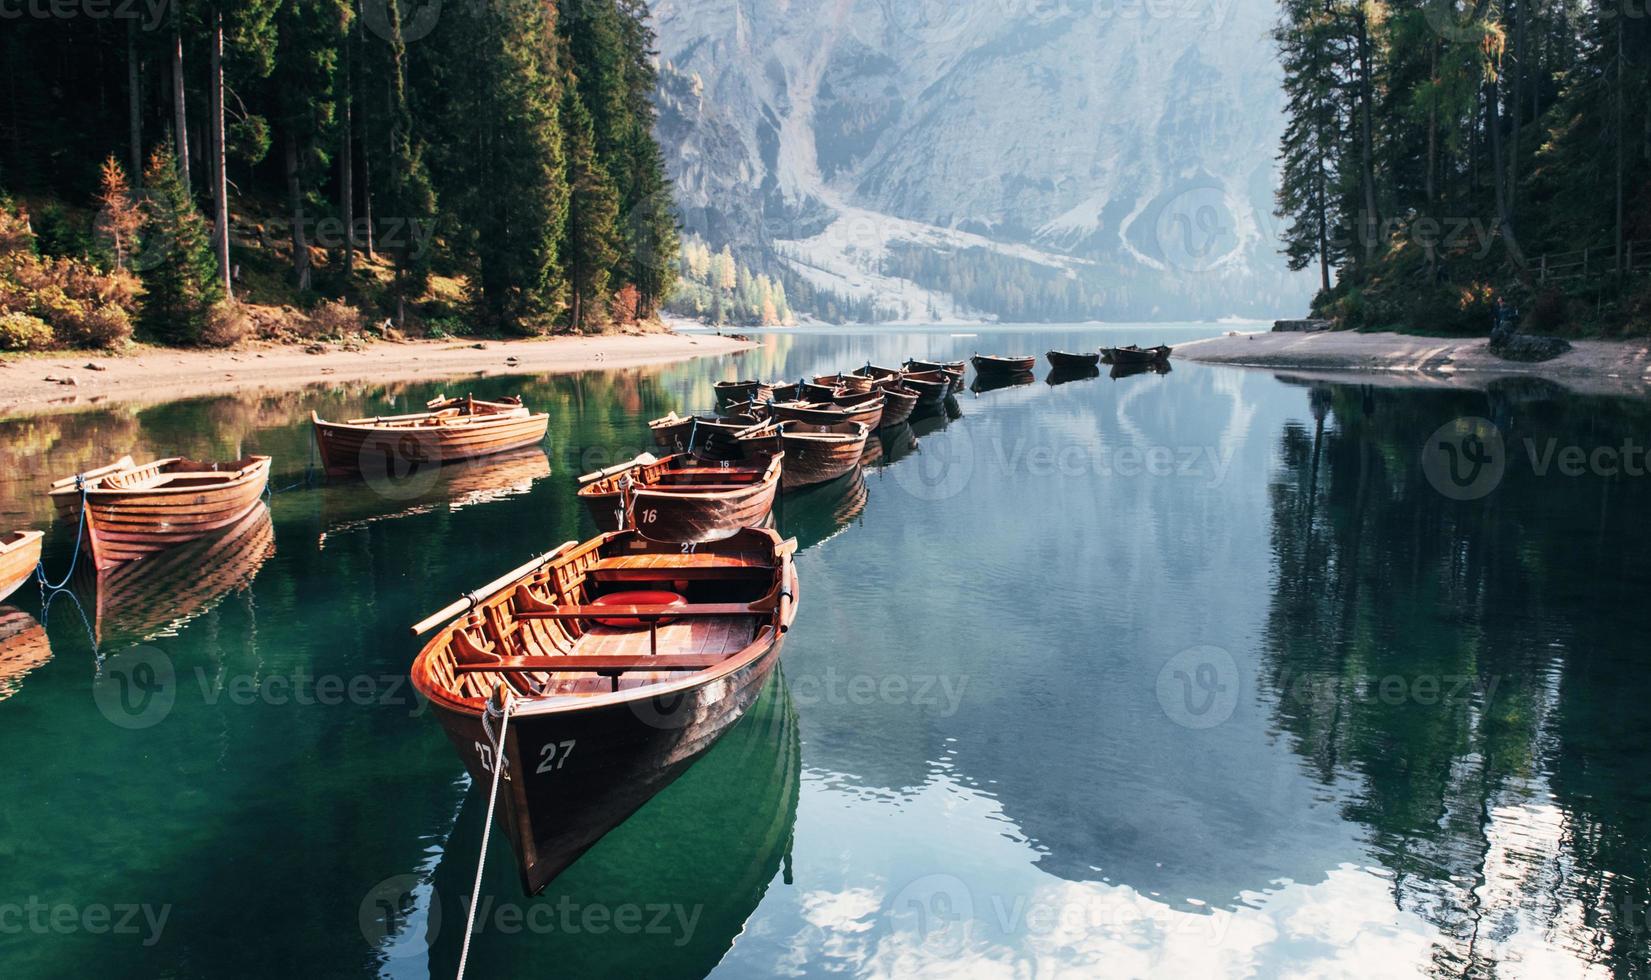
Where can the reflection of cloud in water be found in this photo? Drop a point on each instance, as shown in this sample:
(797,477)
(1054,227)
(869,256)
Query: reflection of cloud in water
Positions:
(1014,921)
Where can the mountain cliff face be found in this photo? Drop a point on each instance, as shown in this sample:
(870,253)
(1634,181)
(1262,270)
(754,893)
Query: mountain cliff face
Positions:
(1022,159)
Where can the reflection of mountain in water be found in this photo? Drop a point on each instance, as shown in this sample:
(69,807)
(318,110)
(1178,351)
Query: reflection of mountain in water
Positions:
(704,852)
(1060,596)
(1503,783)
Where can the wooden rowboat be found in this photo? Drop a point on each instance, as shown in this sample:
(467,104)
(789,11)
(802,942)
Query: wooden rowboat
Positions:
(999,366)
(682,498)
(868,410)
(1063,361)
(1137,355)
(19,554)
(453,429)
(848,382)
(813,453)
(931,387)
(710,436)
(899,402)
(954,367)
(135,511)
(596,675)
(741,391)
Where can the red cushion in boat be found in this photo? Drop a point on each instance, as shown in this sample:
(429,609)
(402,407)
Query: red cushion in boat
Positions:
(637,598)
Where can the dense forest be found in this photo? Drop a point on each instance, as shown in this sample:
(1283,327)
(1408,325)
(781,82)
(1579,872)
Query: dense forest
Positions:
(1441,157)
(486,164)
(718,288)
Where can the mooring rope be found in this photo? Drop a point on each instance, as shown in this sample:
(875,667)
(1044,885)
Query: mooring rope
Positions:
(74,559)
(47,598)
(487,829)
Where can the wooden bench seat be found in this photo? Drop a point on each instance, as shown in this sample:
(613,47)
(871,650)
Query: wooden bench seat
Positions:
(595,664)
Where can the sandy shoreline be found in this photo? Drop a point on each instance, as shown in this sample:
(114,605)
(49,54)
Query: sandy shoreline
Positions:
(158,374)
(1593,366)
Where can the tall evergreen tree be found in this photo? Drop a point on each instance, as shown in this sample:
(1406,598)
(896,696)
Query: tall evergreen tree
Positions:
(181,278)
(502,168)
(1307,151)
(591,241)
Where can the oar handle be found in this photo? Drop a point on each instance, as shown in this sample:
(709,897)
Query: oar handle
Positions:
(488,591)
(646,459)
(124,463)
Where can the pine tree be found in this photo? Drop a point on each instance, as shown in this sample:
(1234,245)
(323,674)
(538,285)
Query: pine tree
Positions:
(406,192)
(591,241)
(502,168)
(1308,146)
(181,283)
(119,216)
(305,83)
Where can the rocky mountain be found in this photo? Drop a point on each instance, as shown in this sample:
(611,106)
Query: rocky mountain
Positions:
(980,159)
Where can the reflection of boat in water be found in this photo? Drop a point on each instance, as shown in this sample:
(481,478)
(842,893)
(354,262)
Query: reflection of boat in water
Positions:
(821,512)
(898,443)
(992,382)
(705,851)
(1061,376)
(1148,367)
(23,647)
(613,686)
(455,486)
(138,601)
(928,423)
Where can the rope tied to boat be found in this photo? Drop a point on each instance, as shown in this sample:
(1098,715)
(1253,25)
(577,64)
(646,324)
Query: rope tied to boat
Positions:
(487,828)
(80,539)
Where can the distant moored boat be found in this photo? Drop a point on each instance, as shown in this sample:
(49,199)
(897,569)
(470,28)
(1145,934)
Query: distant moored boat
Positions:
(452,429)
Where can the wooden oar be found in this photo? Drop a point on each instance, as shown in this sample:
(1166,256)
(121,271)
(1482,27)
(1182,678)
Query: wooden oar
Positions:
(124,463)
(488,591)
(646,459)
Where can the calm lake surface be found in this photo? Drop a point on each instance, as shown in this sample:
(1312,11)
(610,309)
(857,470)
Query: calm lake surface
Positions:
(1210,673)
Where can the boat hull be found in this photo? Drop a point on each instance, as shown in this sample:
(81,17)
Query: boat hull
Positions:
(710,438)
(871,416)
(899,402)
(1063,361)
(681,516)
(1003,366)
(1133,355)
(366,450)
(570,777)
(19,555)
(130,525)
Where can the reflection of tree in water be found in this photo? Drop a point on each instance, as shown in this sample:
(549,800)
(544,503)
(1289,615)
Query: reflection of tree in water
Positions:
(1526,606)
